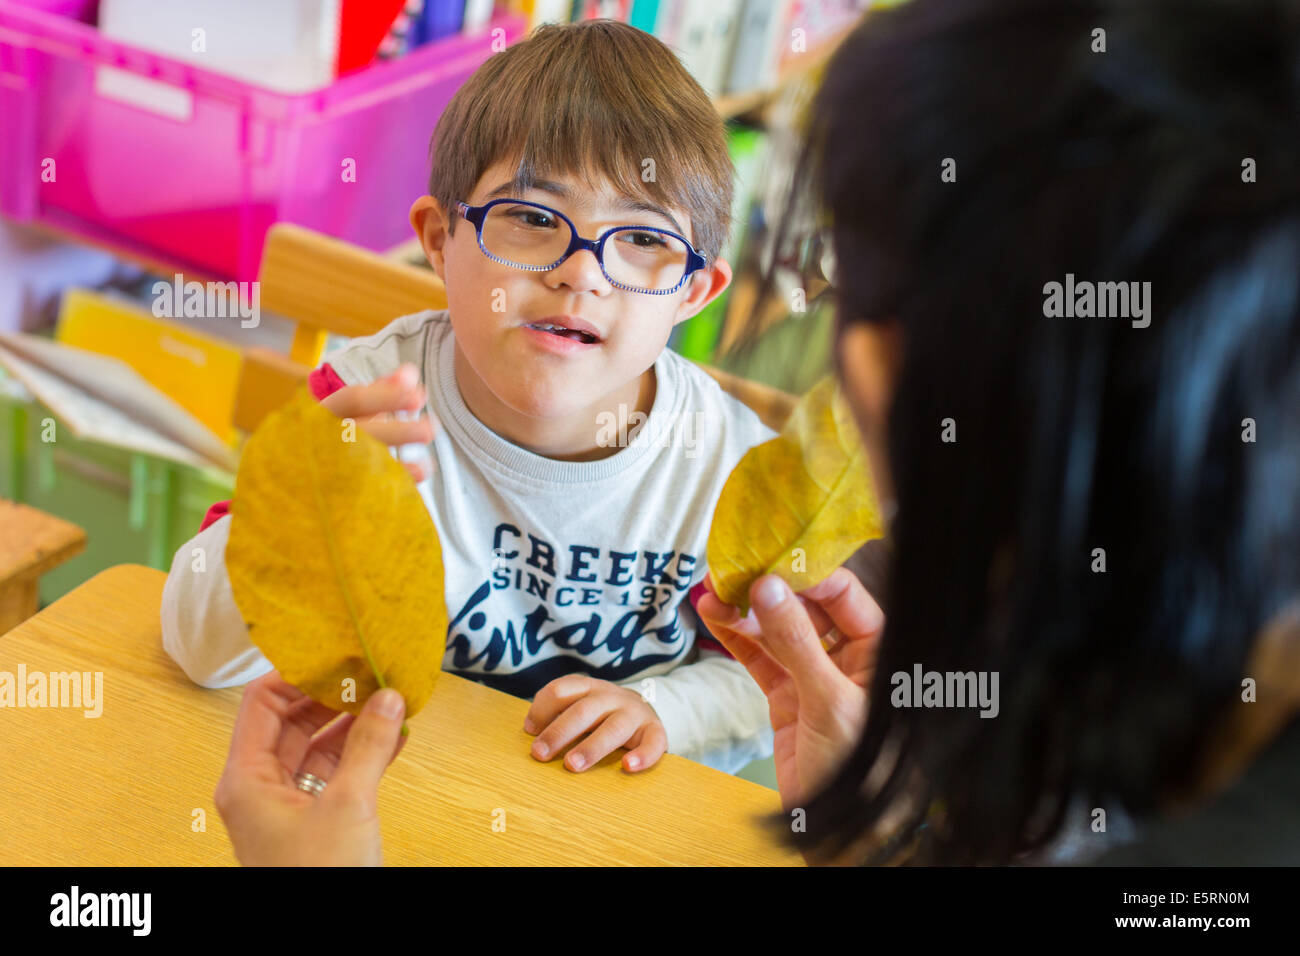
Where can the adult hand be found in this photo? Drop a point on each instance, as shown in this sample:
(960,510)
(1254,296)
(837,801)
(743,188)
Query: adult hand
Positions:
(817,699)
(375,407)
(272,822)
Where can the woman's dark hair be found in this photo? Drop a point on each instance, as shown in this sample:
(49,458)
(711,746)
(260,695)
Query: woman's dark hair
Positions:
(1173,157)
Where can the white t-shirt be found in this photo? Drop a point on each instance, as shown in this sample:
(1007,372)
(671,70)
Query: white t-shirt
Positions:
(551,567)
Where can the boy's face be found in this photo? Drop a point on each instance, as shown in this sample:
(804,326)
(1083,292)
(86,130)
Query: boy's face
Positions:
(534,373)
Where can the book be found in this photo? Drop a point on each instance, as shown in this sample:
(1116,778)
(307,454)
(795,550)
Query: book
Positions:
(362,28)
(760,38)
(697,338)
(199,371)
(442,18)
(103,399)
(702,35)
(547,11)
(405,33)
(644,14)
(817,22)
(603,9)
(478,14)
(290,46)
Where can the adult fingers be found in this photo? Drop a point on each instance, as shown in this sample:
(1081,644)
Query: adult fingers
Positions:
(261,710)
(848,603)
(747,625)
(301,721)
(252,757)
(790,637)
(857,659)
(721,620)
(326,748)
(372,742)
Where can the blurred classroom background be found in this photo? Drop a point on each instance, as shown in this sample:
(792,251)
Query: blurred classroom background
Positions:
(137,148)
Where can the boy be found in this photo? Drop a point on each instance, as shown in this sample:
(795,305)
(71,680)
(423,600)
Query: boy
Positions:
(567,557)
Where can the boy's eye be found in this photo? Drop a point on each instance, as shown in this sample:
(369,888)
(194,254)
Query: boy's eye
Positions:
(535,218)
(641,239)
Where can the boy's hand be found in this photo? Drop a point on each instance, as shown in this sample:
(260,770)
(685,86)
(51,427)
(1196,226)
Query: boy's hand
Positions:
(373,407)
(568,707)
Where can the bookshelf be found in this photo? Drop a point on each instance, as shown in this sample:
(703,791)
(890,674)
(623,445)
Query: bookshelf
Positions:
(737,105)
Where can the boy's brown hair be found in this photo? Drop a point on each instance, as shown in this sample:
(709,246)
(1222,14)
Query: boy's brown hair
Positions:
(590,98)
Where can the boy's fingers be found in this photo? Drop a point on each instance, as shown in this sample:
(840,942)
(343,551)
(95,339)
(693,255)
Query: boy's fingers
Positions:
(362,401)
(613,733)
(396,431)
(553,699)
(570,725)
(387,394)
(653,745)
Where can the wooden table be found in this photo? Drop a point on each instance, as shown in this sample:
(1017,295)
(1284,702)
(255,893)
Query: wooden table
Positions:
(127,787)
(31,543)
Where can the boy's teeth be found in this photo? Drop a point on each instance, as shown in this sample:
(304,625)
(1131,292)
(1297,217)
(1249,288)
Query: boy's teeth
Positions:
(560,329)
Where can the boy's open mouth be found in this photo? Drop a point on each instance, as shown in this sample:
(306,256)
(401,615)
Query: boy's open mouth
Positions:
(575,334)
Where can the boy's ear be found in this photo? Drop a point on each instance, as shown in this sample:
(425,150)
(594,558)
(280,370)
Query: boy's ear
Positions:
(429,221)
(704,286)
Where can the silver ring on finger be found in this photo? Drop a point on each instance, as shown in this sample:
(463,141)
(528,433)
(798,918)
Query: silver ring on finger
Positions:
(831,637)
(309,782)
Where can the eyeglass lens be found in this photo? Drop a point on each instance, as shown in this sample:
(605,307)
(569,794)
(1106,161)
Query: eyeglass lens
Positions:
(636,258)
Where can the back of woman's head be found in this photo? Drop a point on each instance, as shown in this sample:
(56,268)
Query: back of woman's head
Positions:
(1112,515)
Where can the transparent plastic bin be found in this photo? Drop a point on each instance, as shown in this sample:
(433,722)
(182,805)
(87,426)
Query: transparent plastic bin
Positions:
(182,165)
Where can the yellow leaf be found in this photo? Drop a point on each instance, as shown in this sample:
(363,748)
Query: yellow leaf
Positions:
(797,505)
(334,560)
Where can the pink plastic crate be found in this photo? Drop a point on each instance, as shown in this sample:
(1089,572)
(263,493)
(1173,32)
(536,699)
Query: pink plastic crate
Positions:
(192,167)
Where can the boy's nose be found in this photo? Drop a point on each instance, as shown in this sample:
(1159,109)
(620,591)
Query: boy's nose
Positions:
(581,272)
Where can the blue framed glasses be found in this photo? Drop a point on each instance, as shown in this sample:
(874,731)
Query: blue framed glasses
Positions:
(528,235)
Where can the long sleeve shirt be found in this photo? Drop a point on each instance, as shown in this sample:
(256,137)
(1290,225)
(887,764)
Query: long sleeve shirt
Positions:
(551,567)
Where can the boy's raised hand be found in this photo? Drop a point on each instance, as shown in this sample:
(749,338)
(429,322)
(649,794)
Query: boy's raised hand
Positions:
(373,407)
(608,715)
